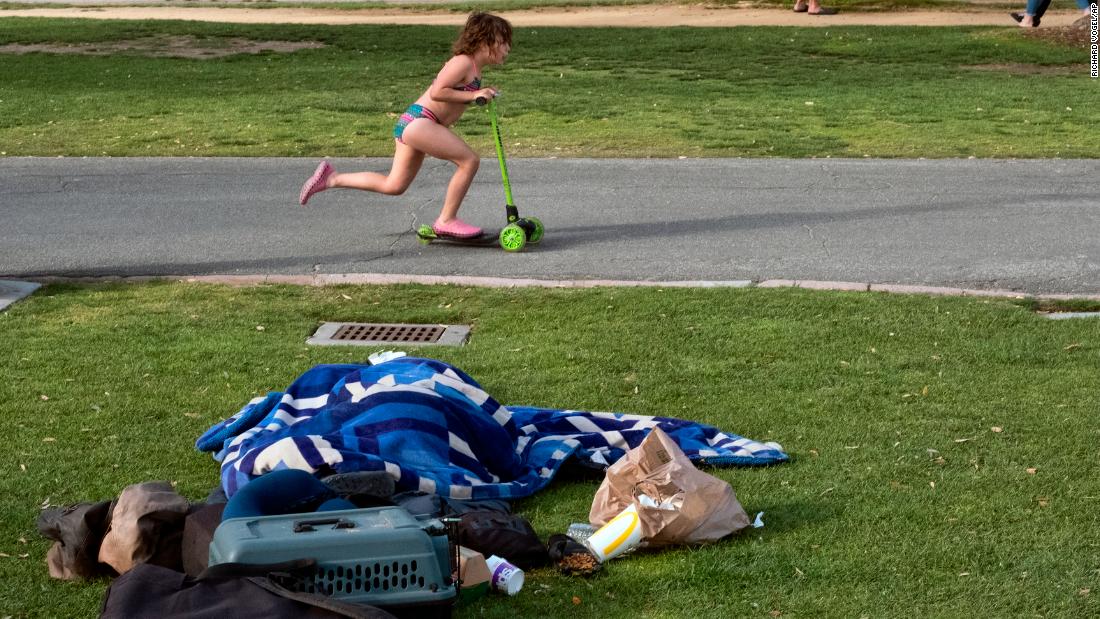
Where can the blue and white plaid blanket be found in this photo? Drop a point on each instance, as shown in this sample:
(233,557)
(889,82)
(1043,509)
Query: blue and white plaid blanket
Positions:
(434,429)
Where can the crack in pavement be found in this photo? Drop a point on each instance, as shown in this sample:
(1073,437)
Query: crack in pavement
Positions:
(824,247)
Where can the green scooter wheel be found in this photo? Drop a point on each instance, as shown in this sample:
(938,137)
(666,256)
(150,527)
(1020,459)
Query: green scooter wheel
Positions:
(536,234)
(513,238)
(425,234)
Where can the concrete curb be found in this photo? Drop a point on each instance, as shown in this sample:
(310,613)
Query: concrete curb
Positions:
(388,279)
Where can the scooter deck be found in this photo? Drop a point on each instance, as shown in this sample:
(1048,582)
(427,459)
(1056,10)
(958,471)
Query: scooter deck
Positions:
(489,238)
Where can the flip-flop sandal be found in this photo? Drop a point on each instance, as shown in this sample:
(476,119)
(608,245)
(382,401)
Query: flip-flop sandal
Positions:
(824,11)
(805,8)
(1017,16)
(316,183)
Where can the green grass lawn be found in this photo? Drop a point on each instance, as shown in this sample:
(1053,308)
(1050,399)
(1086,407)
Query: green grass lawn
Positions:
(943,449)
(614,92)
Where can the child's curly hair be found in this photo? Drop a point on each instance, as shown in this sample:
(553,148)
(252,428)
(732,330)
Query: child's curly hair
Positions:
(482,29)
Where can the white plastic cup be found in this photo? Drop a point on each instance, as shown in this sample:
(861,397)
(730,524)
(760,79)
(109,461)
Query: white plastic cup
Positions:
(503,576)
(620,534)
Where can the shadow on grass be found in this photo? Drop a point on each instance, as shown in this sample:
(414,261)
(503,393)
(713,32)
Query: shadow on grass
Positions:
(785,517)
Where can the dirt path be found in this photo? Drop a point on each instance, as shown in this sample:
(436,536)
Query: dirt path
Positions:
(635,16)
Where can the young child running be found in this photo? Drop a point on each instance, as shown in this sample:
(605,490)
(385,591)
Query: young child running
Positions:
(424,128)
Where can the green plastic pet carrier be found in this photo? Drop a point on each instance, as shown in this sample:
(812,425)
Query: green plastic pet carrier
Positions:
(381,556)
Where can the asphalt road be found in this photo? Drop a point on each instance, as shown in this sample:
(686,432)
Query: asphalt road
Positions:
(1030,226)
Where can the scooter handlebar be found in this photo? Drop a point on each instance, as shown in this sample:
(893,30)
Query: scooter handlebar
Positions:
(484,100)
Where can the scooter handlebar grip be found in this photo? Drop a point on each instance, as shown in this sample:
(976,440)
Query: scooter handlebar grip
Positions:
(484,100)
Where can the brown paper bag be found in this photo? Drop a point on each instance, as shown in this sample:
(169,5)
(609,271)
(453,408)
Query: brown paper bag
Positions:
(684,505)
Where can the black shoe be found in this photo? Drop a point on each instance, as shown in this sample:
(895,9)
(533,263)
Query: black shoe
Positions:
(1019,17)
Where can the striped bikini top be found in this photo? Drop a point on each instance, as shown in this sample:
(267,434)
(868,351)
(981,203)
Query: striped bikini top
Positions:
(472,86)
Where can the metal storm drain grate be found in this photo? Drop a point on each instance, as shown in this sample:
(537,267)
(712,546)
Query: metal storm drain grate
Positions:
(388,333)
(372,334)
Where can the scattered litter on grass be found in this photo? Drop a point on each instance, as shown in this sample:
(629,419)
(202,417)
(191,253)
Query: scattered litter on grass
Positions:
(384,356)
(581,563)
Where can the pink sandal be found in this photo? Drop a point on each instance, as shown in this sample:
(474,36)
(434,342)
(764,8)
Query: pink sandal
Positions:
(458,229)
(316,183)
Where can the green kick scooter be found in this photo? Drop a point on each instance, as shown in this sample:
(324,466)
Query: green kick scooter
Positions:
(519,231)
